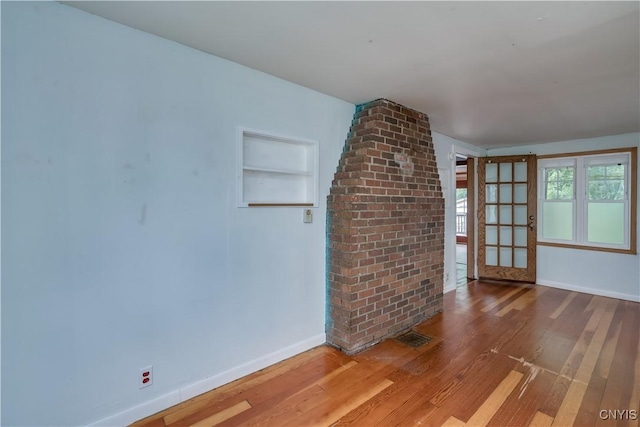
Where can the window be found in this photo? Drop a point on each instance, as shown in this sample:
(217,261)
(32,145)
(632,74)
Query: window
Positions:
(588,200)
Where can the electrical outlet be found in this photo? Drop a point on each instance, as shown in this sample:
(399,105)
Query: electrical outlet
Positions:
(145,377)
(446,278)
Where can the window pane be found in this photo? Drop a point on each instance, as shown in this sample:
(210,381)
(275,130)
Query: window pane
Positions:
(505,214)
(605,223)
(491,172)
(520,214)
(505,257)
(492,256)
(491,235)
(606,171)
(616,171)
(557,220)
(596,172)
(505,193)
(606,190)
(505,172)
(521,172)
(492,193)
(520,238)
(606,182)
(559,183)
(505,236)
(492,214)
(520,258)
(521,193)
(551,191)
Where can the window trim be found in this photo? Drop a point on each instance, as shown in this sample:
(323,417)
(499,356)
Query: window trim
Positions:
(580,210)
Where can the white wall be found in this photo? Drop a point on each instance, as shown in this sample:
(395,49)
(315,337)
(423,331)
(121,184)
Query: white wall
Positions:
(445,149)
(122,244)
(601,273)
(0,228)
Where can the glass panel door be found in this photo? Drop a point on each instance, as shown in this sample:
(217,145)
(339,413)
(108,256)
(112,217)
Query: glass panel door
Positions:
(506,218)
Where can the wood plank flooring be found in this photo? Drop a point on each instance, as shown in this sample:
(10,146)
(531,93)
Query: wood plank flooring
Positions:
(501,355)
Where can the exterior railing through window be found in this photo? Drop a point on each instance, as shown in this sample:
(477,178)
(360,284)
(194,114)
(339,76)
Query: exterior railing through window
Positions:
(461,223)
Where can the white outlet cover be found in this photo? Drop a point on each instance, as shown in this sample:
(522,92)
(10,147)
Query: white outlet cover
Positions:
(142,376)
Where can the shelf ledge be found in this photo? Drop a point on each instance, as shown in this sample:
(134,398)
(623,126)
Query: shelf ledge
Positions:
(266,205)
(281,171)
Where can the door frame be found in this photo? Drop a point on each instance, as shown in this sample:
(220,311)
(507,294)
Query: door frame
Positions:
(471,218)
(472,212)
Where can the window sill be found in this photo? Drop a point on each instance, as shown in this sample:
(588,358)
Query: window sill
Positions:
(631,251)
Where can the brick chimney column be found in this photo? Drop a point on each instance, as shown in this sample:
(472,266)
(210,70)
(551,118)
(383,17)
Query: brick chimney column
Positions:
(385,228)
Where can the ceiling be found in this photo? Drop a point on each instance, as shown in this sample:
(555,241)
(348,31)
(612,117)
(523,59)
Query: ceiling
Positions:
(493,74)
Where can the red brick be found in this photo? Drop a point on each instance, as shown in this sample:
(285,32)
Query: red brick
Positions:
(388,225)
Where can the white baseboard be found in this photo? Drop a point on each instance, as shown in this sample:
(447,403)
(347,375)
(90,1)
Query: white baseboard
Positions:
(158,404)
(233,374)
(592,291)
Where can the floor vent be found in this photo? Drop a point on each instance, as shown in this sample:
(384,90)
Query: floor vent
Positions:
(413,339)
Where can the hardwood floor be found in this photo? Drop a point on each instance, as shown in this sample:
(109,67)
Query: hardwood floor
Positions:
(501,355)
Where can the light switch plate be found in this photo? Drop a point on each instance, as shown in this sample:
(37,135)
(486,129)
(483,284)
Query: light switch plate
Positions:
(308,216)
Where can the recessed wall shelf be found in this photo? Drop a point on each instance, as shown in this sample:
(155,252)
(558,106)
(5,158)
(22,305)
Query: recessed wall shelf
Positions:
(276,170)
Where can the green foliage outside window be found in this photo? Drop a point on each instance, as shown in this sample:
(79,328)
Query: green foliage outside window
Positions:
(606,182)
(559,183)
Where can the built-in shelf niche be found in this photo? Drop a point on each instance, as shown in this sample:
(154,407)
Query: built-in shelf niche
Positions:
(275,170)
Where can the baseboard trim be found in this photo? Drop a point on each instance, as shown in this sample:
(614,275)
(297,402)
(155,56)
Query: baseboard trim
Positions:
(592,291)
(233,374)
(158,404)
